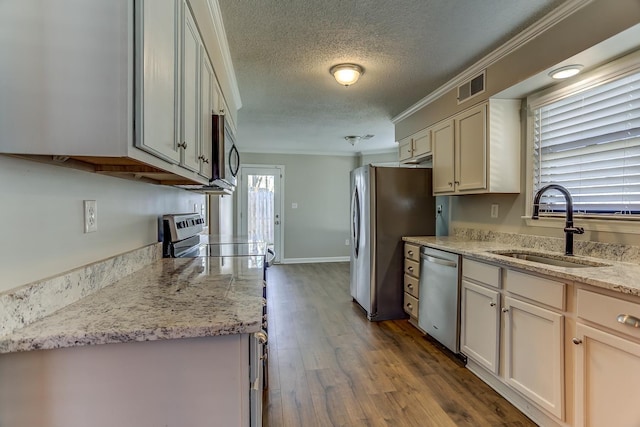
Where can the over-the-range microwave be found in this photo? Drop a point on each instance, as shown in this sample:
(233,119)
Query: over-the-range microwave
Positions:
(226,159)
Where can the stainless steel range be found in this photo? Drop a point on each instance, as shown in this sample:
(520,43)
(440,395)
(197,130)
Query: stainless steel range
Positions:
(182,238)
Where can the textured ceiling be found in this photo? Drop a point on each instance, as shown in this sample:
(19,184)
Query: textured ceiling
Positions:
(282,51)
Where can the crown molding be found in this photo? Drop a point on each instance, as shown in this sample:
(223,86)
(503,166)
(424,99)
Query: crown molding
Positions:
(296,152)
(552,18)
(223,45)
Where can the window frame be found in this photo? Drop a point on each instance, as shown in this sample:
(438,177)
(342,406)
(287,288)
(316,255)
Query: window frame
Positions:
(613,70)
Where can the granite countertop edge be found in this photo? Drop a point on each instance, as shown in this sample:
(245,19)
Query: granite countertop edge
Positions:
(617,276)
(169,299)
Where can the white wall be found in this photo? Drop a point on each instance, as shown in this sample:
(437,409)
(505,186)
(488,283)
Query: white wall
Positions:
(41,218)
(380,158)
(320,186)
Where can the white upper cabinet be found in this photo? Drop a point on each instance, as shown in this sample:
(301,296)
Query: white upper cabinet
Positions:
(207,103)
(159,24)
(190,141)
(478,150)
(113,86)
(416,147)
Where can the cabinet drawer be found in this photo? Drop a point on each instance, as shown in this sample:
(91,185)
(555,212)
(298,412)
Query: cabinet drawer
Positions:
(412,267)
(411,285)
(605,310)
(412,252)
(536,288)
(410,305)
(480,272)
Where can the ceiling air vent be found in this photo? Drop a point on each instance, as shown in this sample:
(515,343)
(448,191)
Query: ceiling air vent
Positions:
(471,88)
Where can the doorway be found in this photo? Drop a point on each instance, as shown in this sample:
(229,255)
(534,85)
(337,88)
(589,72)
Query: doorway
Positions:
(260,205)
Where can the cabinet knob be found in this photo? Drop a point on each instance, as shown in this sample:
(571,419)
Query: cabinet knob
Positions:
(410,269)
(492,304)
(409,306)
(505,310)
(576,341)
(451,184)
(456,182)
(201,157)
(410,253)
(183,144)
(206,160)
(410,286)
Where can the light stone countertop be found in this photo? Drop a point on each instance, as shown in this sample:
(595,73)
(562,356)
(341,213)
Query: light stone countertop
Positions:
(168,299)
(618,276)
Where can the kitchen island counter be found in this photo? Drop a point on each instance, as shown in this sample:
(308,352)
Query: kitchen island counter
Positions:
(168,299)
(616,276)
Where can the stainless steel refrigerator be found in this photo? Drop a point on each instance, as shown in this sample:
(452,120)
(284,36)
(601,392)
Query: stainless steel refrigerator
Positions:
(386,204)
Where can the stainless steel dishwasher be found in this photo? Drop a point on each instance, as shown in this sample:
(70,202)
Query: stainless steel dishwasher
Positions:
(439,308)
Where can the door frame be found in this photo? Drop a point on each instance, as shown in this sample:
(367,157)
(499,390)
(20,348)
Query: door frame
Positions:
(242,193)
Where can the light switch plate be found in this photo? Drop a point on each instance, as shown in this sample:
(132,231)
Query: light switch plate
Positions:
(90,216)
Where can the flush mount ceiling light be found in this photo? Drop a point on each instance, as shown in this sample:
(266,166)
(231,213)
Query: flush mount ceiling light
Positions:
(354,139)
(565,72)
(346,74)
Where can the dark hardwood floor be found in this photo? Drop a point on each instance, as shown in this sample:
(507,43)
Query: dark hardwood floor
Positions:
(329,366)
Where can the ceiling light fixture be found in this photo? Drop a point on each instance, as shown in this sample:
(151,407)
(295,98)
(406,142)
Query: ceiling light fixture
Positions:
(354,139)
(346,74)
(565,72)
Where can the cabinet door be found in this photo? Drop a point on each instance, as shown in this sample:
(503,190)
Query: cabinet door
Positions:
(443,157)
(405,149)
(158,96)
(207,84)
(190,92)
(422,143)
(534,354)
(480,325)
(471,149)
(607,374)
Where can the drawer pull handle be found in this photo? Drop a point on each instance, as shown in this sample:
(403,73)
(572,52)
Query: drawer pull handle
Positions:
(409,306)
(410,269)
(410,286)
(505,310)
(629,320)
(576,341)
(410,253)
(492,304)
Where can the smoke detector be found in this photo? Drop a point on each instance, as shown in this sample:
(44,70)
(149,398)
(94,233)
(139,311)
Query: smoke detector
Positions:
(354,139)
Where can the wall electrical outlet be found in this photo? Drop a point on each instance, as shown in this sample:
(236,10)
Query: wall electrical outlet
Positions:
(90,216)
(494,210)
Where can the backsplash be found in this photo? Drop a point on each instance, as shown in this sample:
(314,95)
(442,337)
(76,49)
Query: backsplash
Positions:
(610,251)
(26,304)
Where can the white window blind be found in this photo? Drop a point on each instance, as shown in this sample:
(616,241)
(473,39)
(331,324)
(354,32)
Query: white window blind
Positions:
(589,142)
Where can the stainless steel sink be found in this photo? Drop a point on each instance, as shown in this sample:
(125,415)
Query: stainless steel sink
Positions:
(550,259)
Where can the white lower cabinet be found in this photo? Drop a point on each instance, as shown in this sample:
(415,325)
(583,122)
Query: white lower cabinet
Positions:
(607,375)
(209,381)
(607,361)
(534,356)
(480,326)
(512,332)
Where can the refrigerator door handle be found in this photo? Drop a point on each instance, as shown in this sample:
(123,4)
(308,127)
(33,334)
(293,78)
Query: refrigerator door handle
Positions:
(355,221)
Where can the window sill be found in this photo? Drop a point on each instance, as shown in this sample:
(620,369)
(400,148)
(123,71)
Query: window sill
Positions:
(610,225)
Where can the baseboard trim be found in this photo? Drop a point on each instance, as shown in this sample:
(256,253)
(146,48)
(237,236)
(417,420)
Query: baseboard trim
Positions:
(314,260)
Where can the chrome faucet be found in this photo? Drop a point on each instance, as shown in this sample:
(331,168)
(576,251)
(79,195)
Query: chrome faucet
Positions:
(569,229)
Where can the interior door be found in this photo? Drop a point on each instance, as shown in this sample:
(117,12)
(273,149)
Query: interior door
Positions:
(260,200)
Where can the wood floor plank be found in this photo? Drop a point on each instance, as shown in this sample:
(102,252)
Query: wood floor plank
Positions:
(330,366)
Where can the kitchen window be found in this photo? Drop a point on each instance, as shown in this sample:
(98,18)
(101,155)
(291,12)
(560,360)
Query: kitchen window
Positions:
(585,136)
